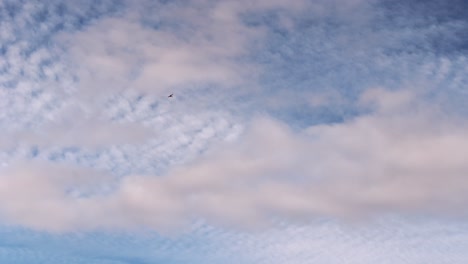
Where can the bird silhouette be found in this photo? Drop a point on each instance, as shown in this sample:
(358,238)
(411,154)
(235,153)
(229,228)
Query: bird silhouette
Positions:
(171,95)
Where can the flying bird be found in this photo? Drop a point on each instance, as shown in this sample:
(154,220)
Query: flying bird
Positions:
(170,95)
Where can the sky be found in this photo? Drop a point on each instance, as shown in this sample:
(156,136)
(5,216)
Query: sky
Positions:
(306,131)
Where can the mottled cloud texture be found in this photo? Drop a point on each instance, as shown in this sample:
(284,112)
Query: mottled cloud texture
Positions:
(391,161)
(287,118)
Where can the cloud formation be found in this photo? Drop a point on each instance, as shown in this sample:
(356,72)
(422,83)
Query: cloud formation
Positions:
(273,123)
(401,158)
(193,43)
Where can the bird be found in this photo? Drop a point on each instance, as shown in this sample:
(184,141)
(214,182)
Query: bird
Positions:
(170,95)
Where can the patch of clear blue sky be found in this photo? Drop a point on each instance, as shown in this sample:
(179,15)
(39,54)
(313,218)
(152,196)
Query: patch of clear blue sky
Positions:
(407,41)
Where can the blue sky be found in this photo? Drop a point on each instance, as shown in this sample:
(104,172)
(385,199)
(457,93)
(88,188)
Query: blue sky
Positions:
(299,132)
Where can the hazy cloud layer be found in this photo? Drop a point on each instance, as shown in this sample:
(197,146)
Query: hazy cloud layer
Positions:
(276,120)
(394,160)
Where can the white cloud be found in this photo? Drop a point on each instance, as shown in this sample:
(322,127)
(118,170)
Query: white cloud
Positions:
(41,195)
(401,162)
(157,60)
(77,130)
(92,133)
(198,42)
